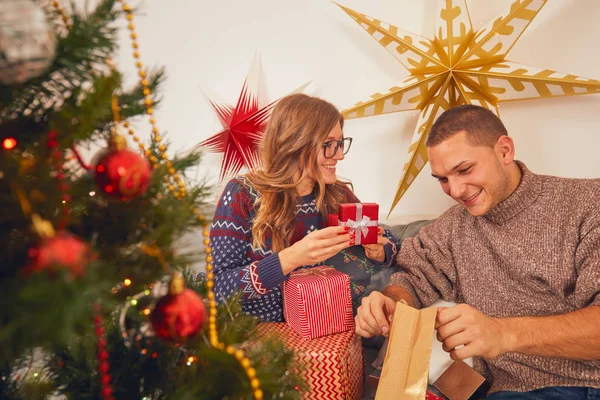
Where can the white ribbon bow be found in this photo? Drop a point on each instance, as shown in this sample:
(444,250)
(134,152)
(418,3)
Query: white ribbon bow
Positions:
(360,227)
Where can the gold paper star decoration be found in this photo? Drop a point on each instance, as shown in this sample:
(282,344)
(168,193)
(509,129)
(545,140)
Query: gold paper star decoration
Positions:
(459,66)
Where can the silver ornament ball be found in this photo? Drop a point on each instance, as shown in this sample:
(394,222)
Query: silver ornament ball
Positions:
(27,41)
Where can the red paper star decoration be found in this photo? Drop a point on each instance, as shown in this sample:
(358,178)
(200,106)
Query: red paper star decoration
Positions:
(243,126)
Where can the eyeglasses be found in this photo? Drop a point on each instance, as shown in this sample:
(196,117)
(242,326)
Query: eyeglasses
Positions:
(330,147)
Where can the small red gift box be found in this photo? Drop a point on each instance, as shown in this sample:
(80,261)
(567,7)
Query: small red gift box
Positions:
(317,302)
(361,218)
(331,366)
(432,396)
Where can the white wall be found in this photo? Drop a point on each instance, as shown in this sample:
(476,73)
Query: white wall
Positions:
(210,44)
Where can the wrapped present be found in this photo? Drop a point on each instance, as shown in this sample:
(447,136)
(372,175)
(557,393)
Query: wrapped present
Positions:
(317,302)
(362,219)
(331,366)
(332,219)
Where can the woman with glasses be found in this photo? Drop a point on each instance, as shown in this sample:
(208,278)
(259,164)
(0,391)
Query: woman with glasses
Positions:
(273,220)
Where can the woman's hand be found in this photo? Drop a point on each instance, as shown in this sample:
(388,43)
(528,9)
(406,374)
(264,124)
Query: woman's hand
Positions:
(315,247)
(376,251)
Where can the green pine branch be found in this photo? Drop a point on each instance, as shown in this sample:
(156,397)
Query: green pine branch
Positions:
(152,368)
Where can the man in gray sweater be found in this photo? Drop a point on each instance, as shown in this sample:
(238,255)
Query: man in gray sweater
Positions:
(519,253)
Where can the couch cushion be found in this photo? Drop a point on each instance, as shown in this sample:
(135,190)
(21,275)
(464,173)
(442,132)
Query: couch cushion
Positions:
(403,231)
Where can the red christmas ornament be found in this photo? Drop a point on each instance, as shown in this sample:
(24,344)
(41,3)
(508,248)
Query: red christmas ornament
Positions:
(121,172)
(180,314)
(243,126)
(62,250)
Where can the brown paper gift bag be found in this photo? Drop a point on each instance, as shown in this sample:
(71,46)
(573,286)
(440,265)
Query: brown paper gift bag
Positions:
(406,366)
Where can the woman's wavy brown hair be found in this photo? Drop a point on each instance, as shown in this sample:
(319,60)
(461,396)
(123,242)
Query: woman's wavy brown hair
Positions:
(297,129)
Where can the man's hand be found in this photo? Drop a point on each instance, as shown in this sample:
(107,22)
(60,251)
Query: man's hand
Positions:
(463,325)
(372,318)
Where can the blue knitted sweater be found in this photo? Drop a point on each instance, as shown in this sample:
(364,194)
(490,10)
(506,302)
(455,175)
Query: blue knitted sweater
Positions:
(256,272)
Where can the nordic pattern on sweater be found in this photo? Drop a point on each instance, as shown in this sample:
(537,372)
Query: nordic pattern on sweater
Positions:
(256,272)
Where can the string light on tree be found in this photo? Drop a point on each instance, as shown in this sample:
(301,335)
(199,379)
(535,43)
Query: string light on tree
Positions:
(9,143)
(57,157)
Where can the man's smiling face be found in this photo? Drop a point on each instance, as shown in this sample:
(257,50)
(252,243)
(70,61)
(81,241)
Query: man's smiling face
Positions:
(475,176)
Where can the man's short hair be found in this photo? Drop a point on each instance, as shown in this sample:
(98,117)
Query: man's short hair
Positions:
(482,127)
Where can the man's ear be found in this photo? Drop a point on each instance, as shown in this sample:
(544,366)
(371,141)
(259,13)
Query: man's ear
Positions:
(505,149)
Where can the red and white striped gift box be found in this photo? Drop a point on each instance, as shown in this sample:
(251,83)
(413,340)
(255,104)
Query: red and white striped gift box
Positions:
(331,366)
(317,302)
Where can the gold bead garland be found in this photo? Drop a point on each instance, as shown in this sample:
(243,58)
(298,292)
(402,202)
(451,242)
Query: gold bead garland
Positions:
(213,335)
(142,74)
(179,191)
(162,148)
(62,13)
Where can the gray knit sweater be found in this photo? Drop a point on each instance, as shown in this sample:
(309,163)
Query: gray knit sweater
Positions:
(535,254)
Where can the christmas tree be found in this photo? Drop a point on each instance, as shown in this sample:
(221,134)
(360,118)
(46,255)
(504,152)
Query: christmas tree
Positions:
(98,300)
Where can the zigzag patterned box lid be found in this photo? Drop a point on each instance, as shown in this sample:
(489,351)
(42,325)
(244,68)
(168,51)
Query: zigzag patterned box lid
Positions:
(331,366)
